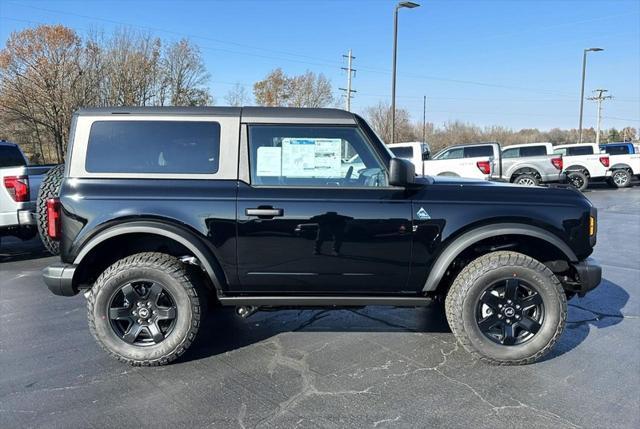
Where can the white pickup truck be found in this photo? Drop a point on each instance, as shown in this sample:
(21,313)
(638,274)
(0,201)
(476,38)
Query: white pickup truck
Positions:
(584,163)
(19,184)
(515,164)
(625,162)
(416,152)
(476,161)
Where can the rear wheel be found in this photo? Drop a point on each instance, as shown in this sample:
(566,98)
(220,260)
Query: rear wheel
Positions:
(526,180)
(620,178)
(578,180)
(49,188)
(506,308)
(145,309)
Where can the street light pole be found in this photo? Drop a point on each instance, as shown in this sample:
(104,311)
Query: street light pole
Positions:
(584,70)
(408,5)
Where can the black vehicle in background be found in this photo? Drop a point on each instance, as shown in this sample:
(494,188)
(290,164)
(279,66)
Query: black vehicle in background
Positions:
(165,210)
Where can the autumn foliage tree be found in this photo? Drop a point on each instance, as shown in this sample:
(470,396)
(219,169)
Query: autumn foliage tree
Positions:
(305,90)
(39,72)
(47,72)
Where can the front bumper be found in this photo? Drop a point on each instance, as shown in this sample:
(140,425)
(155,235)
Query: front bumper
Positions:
(589,276)
(59,279)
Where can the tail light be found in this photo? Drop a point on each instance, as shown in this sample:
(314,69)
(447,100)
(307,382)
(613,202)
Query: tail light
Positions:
(484,167)
(18,187)
(604,160)
(53,218)
(557,163)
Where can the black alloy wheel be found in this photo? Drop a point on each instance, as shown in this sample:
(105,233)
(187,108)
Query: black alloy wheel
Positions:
(510,312)
(142,313)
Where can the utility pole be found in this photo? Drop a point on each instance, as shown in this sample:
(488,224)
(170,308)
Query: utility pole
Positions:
(424,119)
(350,72)
(599,99)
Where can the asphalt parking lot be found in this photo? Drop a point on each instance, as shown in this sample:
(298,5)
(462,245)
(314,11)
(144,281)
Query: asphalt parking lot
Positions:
(371,367)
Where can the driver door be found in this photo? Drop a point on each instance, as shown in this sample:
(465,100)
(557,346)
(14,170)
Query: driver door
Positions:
(316,218)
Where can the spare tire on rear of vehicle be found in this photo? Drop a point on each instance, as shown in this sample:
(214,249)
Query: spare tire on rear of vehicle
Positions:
(50,188)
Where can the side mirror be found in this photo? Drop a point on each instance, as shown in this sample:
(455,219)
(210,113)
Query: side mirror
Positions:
(401,173)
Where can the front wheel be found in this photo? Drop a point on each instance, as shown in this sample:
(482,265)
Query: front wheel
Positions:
(145,309)
(506,308)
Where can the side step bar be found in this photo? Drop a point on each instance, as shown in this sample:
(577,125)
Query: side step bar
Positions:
(323,301)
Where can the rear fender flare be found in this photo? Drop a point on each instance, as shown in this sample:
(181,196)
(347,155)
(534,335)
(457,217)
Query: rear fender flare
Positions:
(469,238)
(180,235)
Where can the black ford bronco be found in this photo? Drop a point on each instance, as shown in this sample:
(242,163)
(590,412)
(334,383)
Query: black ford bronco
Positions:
(165,211)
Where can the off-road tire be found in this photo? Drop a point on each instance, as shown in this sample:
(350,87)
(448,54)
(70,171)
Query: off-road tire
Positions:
(527,180)
(472,281)
(188,294)
(578,180)
(50,188)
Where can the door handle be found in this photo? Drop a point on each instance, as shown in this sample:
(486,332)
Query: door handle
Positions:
(264,212)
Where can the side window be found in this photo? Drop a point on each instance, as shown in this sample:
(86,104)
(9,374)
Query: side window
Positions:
(562,151)
(533,151)
(510,153)
(402,152)
(615,150)
(312,156)
(579,150)
(478,151)
(172,147)
(456,153)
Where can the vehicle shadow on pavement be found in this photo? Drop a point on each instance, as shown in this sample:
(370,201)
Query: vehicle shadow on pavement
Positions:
(238,332)
(601,308)
(14,250)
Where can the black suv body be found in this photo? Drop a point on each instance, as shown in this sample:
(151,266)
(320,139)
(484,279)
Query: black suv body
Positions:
(262,207)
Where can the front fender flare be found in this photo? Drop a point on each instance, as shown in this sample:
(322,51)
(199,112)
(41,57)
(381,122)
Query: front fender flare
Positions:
(469,238)
(173,232)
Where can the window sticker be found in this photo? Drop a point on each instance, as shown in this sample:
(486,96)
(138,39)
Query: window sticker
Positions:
(269,161)
(311,157)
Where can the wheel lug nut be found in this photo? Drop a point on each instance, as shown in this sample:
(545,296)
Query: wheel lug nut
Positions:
(139,304)
(148,304)
(134,312)
(508,301)
(517,316)
(499,316)
(139,320)
(509,321)
(499,305)
(518,307)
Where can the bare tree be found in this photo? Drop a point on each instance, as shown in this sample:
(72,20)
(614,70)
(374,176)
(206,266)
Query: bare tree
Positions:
(237,96)
(309,90)
(131,69)
(185,75)
(379,117)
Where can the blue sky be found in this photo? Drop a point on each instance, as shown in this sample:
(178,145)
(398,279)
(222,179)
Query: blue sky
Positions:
(512,63)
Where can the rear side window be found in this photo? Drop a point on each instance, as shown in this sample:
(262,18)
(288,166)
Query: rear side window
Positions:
(10,156)
(616,150)
(478,151)
(172,147)
(402,152)
(511,153)
(456,153)
(533,151)
(579,150)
